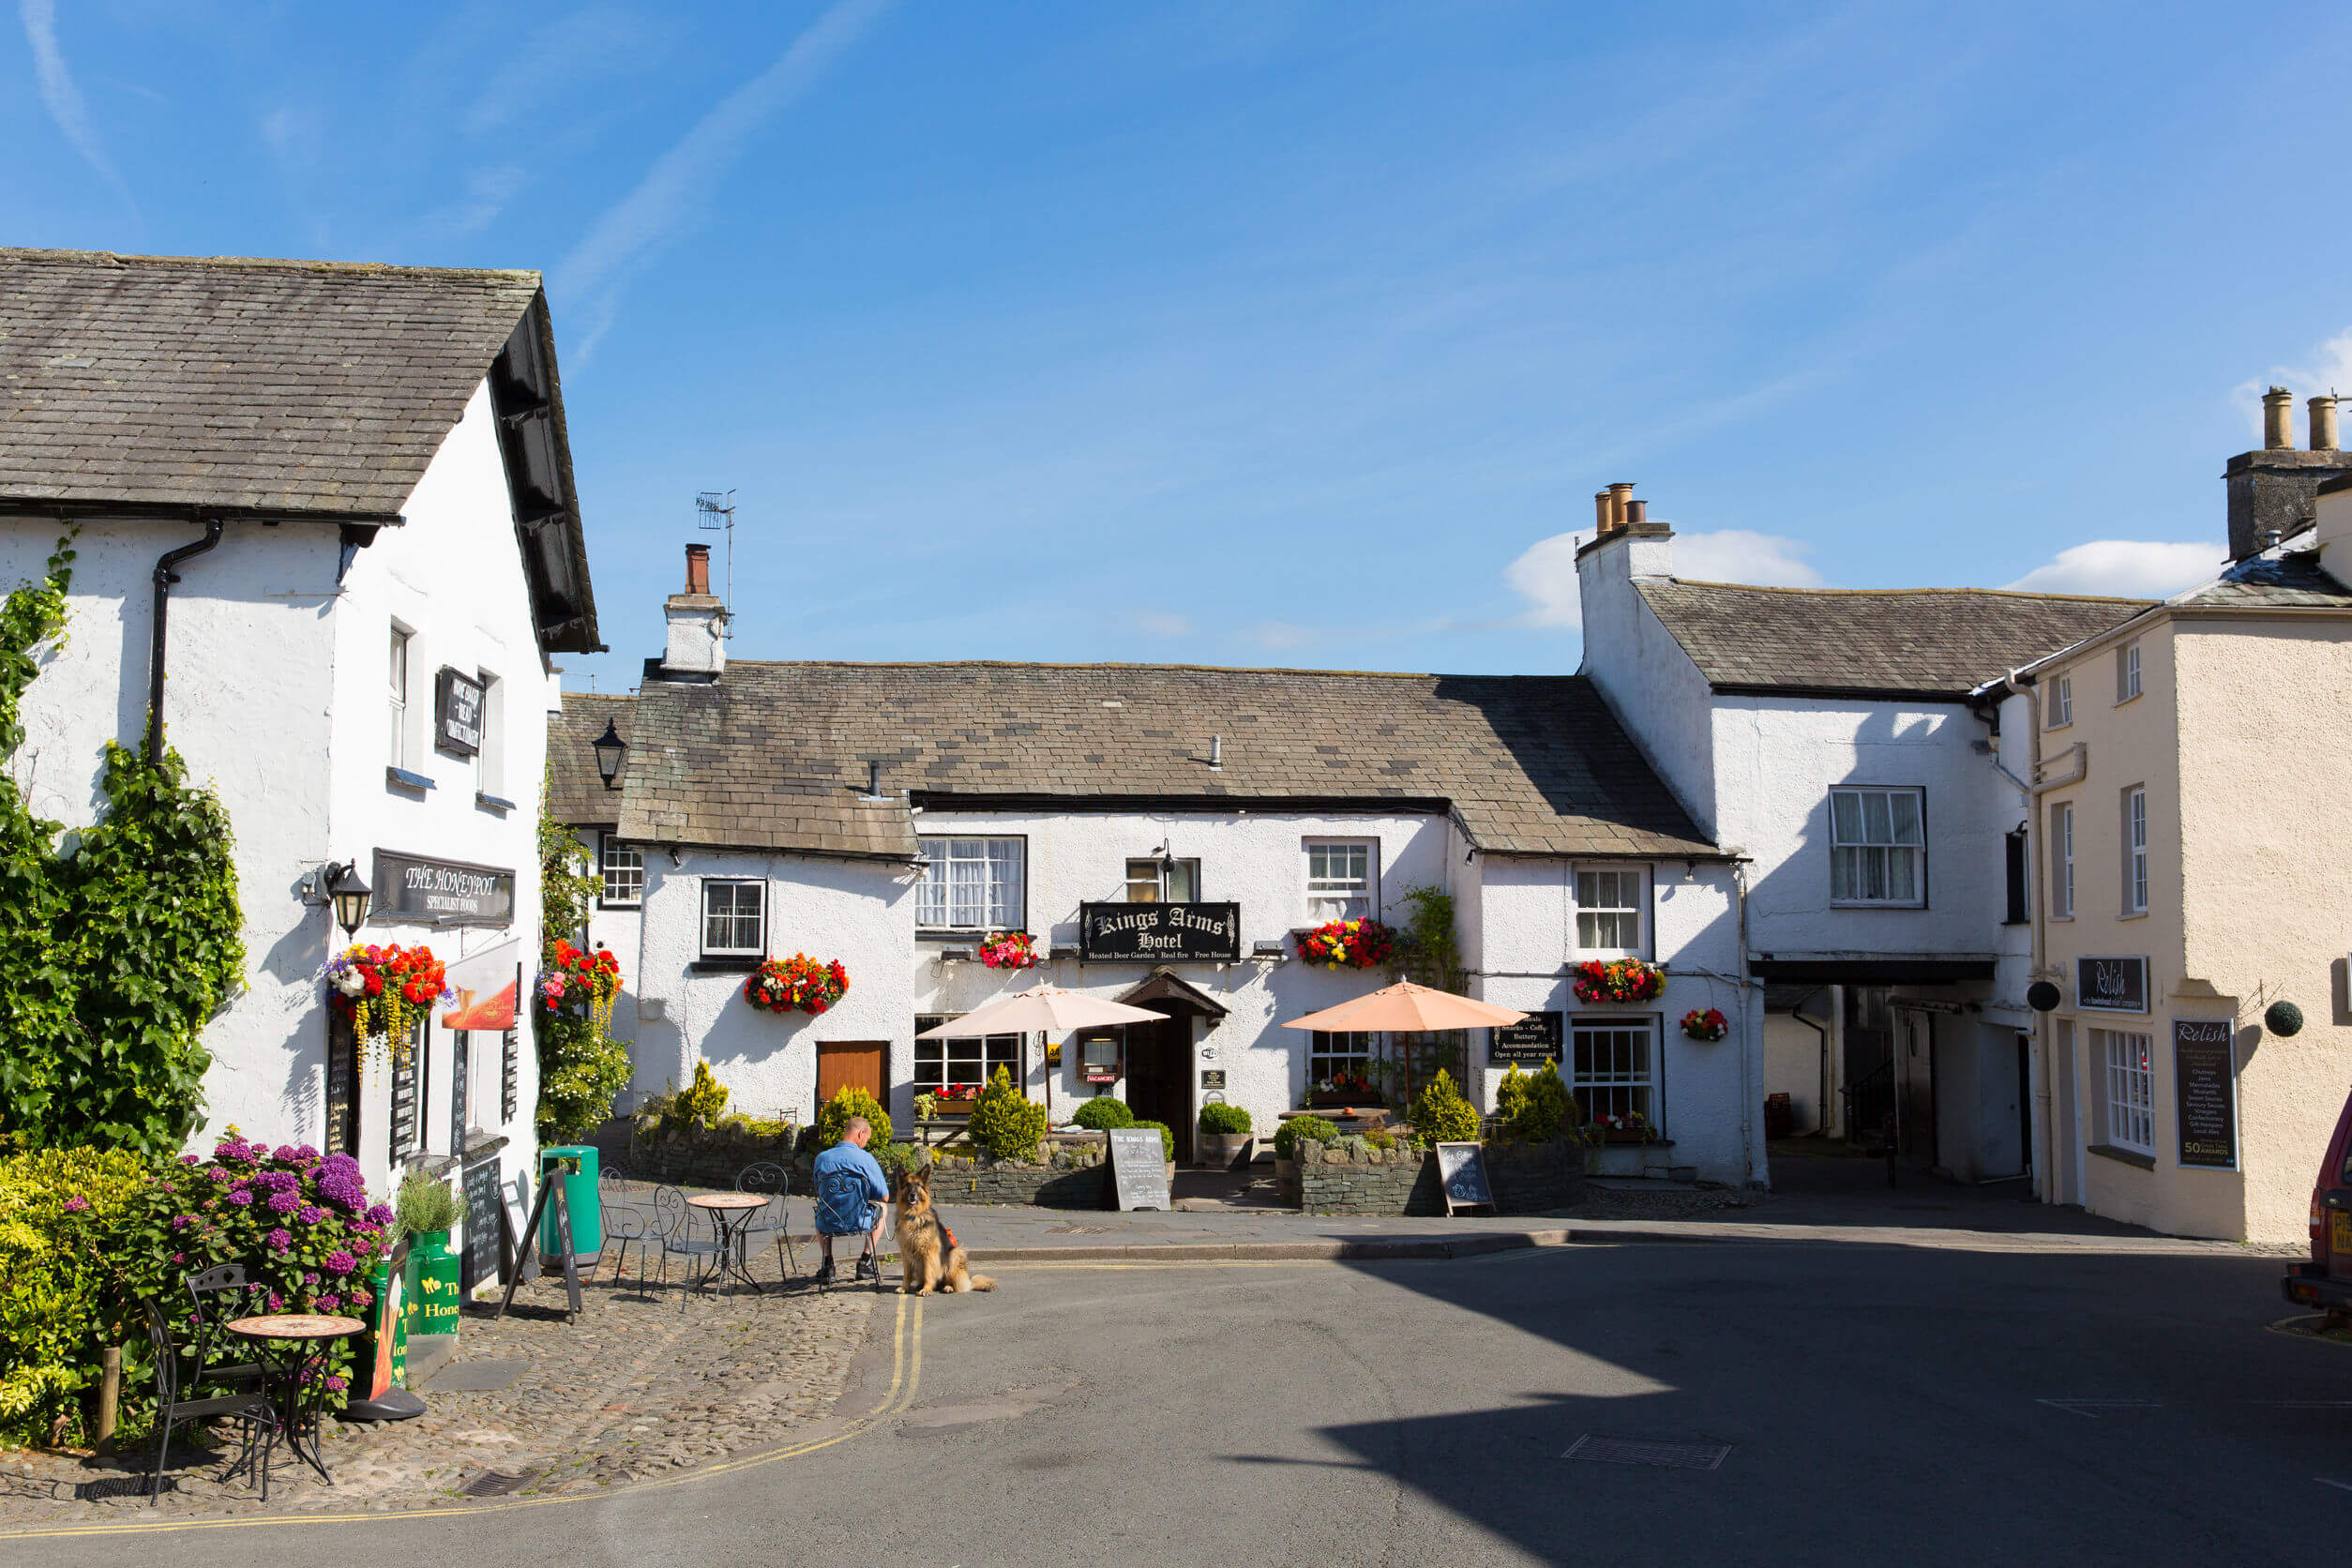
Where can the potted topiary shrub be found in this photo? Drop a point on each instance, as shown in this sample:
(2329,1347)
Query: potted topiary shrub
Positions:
(1286,1141)
(1104,1113)
(1225,1136)
(1006,1122)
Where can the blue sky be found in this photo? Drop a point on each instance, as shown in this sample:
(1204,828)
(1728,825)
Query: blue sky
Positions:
(1258,332)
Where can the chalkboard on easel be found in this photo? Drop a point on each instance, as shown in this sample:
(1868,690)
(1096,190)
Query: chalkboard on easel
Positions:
(518,1259)
(1139,1169)
(1462,1176)
(485,1212)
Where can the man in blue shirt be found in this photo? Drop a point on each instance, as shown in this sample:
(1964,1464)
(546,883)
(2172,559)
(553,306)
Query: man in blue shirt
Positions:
(852,1196)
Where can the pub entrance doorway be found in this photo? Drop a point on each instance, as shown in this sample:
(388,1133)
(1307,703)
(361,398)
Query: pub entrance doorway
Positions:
(1161,1083)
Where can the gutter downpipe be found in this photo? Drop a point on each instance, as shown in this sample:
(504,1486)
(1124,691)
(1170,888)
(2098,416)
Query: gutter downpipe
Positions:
(2045,1151)
(164,578)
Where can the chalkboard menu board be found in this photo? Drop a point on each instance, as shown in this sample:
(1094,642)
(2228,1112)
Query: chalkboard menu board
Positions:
(1462,1173)
(509,1081)
(1139,1169)
(404,1075)
(2111,984)
(2205,1082)
(342,1086)
(1532,1041)
(459,1087)
(480,1261)
(1150,931)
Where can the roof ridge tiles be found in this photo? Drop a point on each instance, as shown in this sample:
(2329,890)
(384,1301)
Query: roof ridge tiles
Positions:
(290,264)
(2003,592)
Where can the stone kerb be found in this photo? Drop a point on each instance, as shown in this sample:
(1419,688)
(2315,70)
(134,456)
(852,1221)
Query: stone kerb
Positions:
(1348,1178)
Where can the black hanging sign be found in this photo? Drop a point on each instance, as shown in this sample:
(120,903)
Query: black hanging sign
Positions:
(461,1068)
(2204,1084)
(2111,984)
(1531,1042)
(456,713)
(404,1075)
(508,1096)
(1154,931)
(412,891)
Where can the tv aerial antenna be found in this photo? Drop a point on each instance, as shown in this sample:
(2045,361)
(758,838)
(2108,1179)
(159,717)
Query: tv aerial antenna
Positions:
(714,510)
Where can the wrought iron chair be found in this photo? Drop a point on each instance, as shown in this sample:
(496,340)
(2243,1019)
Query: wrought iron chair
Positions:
(845,1209)
(181,1375)
(768,1177)
(673,1227)
(626,1223)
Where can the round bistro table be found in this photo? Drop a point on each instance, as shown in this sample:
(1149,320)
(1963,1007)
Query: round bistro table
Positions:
(731,1217)
(290,1346)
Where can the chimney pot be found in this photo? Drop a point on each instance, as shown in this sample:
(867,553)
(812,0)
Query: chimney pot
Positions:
(1217,751)
(2278,419)
(1601,513)
(697,568)
(873,778)
(1637,511)
(1621,493)
(2323,424)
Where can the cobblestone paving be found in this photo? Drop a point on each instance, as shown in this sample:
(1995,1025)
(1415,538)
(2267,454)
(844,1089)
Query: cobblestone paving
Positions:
(637,1388)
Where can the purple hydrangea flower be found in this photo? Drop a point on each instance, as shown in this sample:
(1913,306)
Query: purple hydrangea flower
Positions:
(310,1276)
(75,1204)
(190,1159)
(279,1181)
(277,1302)
(339,1263)
(285,1202)
(283,1152)
(335,1383)
(241,1196)
(311,1213)
(181,1222)
(179,1258)
(217,1174)
(304,1151)
(279,1239)
(380,1216)
(329,1302)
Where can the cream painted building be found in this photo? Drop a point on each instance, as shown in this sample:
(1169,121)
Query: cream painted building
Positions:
(2189,769)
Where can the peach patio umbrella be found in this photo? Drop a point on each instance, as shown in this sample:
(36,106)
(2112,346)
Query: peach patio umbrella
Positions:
(1040,1009)
(1408,1009)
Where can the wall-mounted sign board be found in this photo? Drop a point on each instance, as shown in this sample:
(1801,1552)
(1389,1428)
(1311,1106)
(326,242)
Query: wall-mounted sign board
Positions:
(411,890)
(456,713)
(1151,932)
(1531,1042)
(2111,984)
(2204,1086)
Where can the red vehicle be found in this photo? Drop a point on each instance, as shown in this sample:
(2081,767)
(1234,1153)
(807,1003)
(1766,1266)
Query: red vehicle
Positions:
(2326,1281)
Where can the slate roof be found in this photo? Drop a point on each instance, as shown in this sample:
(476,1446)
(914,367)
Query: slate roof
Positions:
(1926,643)
(265,385)
(773,755)
(576,792)
(2290,580)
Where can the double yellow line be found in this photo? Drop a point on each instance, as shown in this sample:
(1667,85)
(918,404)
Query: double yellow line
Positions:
(906,1376)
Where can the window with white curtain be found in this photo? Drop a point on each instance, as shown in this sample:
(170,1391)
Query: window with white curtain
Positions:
(969,1059)
(1609,908)
(1342,878)
(398,671)
(1878,847)
(2130,1086)
(973,884)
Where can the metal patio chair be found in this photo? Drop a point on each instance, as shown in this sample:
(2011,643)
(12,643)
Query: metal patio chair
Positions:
(841,1198)
(627,1224)
(182,1375)
(674,1228)
(769,1176)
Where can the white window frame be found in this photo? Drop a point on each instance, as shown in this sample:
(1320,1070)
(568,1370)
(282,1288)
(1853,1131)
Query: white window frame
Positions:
(1345,896)
(400,662)
(2062,860)
(757,948)
(1158,884)
(2127,1064)
(1865,844)
(2134,859)
(1588,917)
(1002,884)
(1357,1050)
(2127,672)
(614,855)
(982,1053)
(2061,709)
(1628,1082)
(489,761)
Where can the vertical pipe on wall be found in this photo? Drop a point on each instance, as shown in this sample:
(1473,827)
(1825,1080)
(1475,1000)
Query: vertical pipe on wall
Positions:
(164,578)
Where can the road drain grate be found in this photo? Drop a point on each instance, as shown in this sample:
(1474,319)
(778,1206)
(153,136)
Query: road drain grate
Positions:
(1640,1451)
(119,1486)
(497,1484)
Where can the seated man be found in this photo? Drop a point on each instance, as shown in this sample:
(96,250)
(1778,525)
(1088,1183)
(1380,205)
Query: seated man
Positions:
(851,1198)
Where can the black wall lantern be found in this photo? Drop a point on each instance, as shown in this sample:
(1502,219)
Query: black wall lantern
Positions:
(609,749)
(349,893)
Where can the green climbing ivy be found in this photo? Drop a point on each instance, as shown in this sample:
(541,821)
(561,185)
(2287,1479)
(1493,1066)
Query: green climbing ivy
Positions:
(120,947)
(582,1068)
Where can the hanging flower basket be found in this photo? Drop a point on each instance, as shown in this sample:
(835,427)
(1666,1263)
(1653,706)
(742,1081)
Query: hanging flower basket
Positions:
(384,990)
(1709,1026)
(796,984)
(1623,980)
(579,985)
(1348,945)
(1009,950)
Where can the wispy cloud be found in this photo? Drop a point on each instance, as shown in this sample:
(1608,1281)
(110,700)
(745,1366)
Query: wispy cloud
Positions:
(61,98)
(1545,572)
(1165,626)
(682,180)
(2329,369)
(2128,568)
(583,44)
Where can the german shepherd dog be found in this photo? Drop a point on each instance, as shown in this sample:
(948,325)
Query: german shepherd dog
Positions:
(929,1258)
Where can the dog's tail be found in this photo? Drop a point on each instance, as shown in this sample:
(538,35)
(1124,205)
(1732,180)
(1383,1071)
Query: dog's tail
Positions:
(981,1281)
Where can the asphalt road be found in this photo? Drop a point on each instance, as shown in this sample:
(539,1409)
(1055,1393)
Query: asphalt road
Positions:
(1880,1405)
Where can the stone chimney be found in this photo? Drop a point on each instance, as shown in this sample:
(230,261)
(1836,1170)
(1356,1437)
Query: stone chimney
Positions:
(697,649)
(2272,492)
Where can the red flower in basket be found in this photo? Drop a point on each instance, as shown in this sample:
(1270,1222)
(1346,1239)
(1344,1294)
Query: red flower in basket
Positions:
(1709,1025)
(1623,980)
(1348,945)
(797,984)
(1009,950)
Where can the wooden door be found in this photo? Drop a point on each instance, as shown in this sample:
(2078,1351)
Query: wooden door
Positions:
(850,1065)
(1159,1078)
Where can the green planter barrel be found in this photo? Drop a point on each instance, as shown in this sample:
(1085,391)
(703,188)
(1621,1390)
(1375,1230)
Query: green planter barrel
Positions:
(435,1293)
(579,1190)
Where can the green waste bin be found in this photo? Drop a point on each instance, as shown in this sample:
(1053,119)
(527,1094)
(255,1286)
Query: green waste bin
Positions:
(579,1191)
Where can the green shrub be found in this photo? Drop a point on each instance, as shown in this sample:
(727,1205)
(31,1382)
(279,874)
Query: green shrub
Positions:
(1104,1113)
(424,1205)
(851,1102)
(1380,1138)
(1005,1122)
(1532,1107)
(57,1299)
(1440,1115)
(1168,1138)
(1296,1127)
(895,1158)
(1226,1119)
(706,1101)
